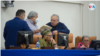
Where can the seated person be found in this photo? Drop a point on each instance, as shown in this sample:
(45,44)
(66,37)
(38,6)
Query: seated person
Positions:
(32,22)
(57,26)
(47,39)
(85,42)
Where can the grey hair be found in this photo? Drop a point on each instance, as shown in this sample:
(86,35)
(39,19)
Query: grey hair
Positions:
(32,14)
(56,15)
(84,37)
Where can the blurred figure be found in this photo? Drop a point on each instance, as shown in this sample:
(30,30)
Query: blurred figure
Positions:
(57,26)
(47,39)
(85,42)
(13,26)
(32,22)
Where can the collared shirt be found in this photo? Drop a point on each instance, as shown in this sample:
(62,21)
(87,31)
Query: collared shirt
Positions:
(44,44)
(32,26)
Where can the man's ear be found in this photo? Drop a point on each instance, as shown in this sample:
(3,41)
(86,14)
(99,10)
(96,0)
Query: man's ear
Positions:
(21,15)
(58,20)
(33,18)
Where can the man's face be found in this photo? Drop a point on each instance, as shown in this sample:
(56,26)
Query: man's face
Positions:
(34,18)
(54,21)
(23,16)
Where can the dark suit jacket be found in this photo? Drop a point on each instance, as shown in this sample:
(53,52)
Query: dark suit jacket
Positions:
(11,28)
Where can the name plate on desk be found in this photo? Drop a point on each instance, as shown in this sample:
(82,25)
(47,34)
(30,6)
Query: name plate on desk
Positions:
(82,48)
(47,47)
(15,47)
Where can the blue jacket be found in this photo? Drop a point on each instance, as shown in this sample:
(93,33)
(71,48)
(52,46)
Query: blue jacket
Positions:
(11,29)
(60,28)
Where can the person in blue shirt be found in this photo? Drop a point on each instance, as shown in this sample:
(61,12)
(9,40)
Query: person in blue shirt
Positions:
(13,26)
(57,26)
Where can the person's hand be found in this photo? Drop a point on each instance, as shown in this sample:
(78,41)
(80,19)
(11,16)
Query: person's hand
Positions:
(84,46)
(54,32)
(37,31)
(52,41)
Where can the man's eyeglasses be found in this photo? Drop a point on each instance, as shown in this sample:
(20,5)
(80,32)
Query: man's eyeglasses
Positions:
(54,20)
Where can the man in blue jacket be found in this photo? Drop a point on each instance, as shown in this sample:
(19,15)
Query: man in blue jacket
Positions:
(13,26)
(57,26)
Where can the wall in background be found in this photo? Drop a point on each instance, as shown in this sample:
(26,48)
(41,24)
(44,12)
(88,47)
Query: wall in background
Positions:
(78,2)
(91,19)
(69,13)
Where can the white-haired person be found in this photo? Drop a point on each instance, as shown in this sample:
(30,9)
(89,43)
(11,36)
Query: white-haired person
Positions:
(32,20)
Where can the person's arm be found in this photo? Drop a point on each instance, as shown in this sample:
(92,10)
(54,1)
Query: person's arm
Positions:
(37,31)
(55,45)
(79,45)
(53,42)
(5,32)
(41,44)
(26,27)
(49,24)
(64,30)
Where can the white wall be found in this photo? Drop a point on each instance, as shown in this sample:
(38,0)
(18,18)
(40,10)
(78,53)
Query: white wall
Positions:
(91,20)
(69,14)
(66,1)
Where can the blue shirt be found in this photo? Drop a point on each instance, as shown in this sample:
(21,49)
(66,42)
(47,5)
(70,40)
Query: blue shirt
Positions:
(60,27)
(11,29)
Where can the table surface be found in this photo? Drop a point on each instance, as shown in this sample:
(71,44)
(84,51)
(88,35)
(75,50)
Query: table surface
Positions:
(48,52)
